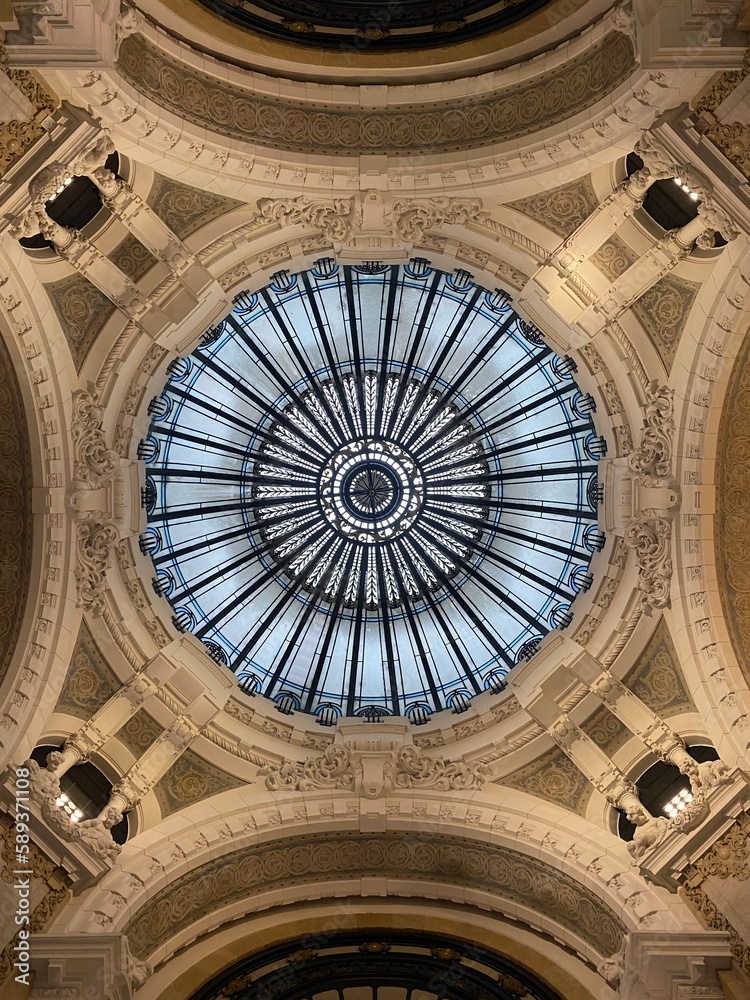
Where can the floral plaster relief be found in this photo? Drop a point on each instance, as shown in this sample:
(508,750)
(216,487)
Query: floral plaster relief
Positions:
(562,209)
(186,209)
(657,678)
(83,310)
(663,310)
(733,516)
(90,681)
(321,857)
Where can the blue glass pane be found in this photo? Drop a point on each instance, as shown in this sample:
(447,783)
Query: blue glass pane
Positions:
(371,489)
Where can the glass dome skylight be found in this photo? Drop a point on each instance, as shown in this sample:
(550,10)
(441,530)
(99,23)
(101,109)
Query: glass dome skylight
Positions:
(371,490)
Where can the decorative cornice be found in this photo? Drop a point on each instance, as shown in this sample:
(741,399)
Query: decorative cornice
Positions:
(284,124)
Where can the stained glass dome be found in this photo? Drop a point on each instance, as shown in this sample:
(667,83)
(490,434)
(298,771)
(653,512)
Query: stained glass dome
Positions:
(371,490)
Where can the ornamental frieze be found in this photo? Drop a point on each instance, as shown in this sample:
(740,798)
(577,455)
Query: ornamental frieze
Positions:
(250,871)
(238,113)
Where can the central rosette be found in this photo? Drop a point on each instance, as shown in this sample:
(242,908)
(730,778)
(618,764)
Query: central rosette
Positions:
(371,491)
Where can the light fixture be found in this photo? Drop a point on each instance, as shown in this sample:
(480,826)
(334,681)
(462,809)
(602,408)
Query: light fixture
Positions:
(60,190)
(678,802)
(693,195)
(66,804)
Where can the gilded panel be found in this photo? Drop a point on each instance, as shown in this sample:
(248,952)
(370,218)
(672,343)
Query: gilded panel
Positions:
(323,857)
(663,310)
(83,310)
(562,209)
(657,678)
(614,257)
(733,513)
(139,732)
(185,209)
(553,777)
(15,509)
(190,779)
(606,730)
(90,681)
(133,258)
(284,124)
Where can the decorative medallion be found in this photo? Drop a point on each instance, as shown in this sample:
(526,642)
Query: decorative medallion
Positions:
(371,490)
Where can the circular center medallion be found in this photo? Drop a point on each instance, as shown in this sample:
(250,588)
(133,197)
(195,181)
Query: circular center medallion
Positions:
(393,514)
(371,491)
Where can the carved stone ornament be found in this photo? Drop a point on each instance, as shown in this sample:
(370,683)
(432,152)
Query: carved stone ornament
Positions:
(96,538)
(412,219)
(333,769)
(332,217)
(340,219)
(728,857)
(650,538)
(612,968)
(647,836)
(95,157)
(95,463)
(653,457)
(136,970)
(694,812)
(657,161)
(409,767)
(711,773)
(716,220)
(128,22)
(93,834)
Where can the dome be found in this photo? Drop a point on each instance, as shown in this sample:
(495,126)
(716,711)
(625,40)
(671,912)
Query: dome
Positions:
(357,24)
(372,490)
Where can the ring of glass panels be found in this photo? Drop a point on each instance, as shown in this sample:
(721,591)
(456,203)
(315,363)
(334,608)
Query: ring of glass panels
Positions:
(371,490)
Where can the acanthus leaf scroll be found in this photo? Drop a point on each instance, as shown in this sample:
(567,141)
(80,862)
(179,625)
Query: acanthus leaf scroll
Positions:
(340,767)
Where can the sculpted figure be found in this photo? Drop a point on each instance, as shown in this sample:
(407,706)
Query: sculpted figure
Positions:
(97,836)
